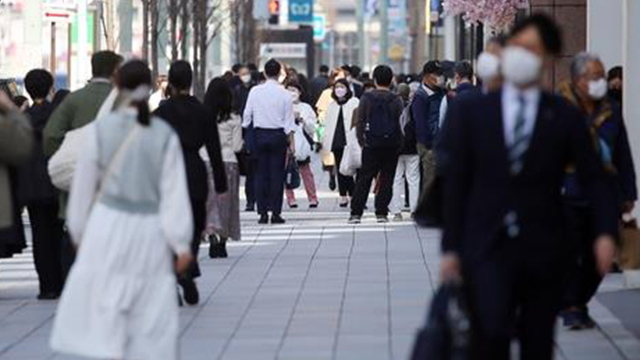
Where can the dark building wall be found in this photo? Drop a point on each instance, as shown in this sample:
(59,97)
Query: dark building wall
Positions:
(572,17)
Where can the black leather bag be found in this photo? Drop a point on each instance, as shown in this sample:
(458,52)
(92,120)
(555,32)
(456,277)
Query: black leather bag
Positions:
(447,333)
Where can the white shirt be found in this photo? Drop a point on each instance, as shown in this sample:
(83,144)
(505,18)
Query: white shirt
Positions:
(269,106)
(511,108)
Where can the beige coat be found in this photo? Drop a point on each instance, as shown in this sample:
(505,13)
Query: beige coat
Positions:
(16,144)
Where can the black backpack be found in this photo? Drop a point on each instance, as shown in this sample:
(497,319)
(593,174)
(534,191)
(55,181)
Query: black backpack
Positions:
(382,129)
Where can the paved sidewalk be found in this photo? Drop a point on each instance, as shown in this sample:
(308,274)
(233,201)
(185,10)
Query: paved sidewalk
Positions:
(313,289)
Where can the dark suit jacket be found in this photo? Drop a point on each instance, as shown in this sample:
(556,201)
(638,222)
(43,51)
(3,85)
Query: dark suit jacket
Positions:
(196,128)
(479,190)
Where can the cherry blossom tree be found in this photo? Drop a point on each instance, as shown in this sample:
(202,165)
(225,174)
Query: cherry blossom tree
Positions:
(497,15)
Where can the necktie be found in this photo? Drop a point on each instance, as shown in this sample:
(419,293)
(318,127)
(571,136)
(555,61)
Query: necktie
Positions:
(521,139)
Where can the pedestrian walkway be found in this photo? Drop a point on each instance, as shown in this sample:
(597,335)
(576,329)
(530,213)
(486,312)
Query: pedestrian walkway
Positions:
(313,289)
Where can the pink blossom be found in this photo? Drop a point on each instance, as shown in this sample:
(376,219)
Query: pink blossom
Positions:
(497,15)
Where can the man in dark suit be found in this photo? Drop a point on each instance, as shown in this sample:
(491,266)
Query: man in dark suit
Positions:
(504,228)
(196,128)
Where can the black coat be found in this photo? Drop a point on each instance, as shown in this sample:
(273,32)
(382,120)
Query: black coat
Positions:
(196,128)
(34,183)
(479,190)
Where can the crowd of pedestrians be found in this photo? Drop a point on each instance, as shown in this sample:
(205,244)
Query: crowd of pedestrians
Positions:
(144,172)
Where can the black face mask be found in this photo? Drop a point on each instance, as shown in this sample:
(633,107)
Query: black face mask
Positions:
(615,94)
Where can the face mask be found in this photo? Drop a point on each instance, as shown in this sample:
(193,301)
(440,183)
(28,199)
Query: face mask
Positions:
(488,66)
(520,66)
(598,89)
(341,92)
(295,96)
(441,82)
(245,78)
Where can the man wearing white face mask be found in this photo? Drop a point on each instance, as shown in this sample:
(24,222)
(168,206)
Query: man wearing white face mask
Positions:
(488,67)
(504,226)
(587,91)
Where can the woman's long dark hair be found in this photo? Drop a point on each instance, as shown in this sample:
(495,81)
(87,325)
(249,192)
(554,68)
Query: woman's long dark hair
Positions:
(132,74)
(219,99)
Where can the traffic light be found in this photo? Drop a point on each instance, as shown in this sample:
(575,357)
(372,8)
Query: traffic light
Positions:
(274,12)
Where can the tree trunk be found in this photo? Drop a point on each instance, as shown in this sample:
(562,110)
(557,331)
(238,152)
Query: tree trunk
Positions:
(173,20)
(155,35)
(197,18)
(184,28)
(145,30)
(203,44)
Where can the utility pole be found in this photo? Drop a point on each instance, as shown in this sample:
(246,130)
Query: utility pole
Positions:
(360,4)
(384,31)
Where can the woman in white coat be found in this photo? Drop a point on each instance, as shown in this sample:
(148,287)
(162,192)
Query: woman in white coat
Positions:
(303,138)
(129,215)
(337,125)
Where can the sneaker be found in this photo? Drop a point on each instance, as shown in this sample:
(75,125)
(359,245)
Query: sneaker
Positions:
(397,218)
(264,219)
(355,219)
(190,291)
(382,219)
(277,219)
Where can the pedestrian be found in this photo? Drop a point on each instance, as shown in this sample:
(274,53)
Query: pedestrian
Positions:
(614,78)
(337,123)
(504,230)
(408,169)
(380,136)
(270,111)
(319,84)
(38,194)
(223,213)
(425,111)
(306,120)
(160,94)
(126,215)
(16,146)
(192,122)
(75,111)
(588,91)
(488,65)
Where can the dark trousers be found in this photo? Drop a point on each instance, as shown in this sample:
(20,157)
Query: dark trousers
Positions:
(250,182)
(272,151)
(345,183)
(47,233)
(583,278)
(199,209)
(506,292)
(375,161)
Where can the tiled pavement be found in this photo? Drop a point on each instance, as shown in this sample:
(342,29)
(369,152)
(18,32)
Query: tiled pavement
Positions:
(313,289)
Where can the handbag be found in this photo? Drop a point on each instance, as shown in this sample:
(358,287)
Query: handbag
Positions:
(352,158)
(63,163)
(630,240)
(447,333)
(292,175)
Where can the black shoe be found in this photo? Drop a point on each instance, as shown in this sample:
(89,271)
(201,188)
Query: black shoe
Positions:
(223,250)
(213,244)
(355,219)
(190,291)
(264,219)
(293,206)
(313,206)
(250,208)
(332,183)
(49,296)
(277,219)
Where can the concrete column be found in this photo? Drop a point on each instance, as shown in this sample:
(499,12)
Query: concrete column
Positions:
(450,40)
(32,47)
(631,64)
(604,30)
(384,31)
(360,4)
(81,75)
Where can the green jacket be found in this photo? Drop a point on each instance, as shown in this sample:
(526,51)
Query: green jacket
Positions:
(76,111)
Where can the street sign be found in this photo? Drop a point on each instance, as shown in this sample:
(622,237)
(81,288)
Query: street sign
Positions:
(283,50)
(301,11)
(59,11)
(319,27)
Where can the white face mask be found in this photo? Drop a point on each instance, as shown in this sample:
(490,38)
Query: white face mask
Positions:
(245,78)
(598,89)
(341,92)
(441,81)
(520,66)
(488,66)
